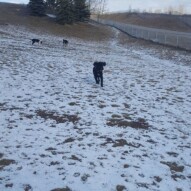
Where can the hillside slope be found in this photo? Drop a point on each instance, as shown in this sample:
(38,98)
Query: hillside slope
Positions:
(59,130)
(160,21)
(18,15)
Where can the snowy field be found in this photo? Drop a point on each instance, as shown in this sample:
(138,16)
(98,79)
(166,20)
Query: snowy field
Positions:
(59,131)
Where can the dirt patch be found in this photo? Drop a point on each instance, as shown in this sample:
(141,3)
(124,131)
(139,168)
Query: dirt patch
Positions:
(143,185)
(172,154)
(157,178)
(140,123)
(173,166)
(120,187)
(2,107)
(178,176)
(62,189)
(6,162)
(9,185)
(73,157)
(50,149)
(56,117)
(120,143)
(69,140)
(123,142)
(27,187)
(126,166)
(85,177)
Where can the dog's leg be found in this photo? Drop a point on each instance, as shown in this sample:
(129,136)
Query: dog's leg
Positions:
(101,76)
(97,79)
(96,76)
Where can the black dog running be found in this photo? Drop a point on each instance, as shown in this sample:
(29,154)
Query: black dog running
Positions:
(98,72)
(34,40)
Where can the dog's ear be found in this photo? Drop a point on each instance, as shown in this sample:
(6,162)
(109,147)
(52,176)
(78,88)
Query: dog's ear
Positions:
(103,63)
(95,63)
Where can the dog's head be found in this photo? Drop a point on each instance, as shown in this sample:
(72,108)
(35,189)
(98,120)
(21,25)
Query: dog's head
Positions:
(99,64)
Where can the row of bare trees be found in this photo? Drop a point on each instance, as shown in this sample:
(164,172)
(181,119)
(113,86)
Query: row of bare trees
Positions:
(97,6)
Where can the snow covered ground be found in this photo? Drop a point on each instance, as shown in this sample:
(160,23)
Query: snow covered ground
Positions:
(59,131)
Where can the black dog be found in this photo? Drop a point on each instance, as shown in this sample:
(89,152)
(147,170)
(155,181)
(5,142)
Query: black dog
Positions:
(98,72)
(34,40)
(65,42)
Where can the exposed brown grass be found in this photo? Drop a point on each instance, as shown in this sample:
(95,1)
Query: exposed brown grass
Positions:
(139,124)
(159,21)
(173,166)
(19,15)
(6,162)
(169,53)
(49,115)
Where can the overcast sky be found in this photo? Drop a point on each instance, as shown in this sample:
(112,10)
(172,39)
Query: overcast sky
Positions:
(124,5)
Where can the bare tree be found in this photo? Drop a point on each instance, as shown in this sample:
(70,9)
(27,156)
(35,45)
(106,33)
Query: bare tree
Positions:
(101,8)
(130,9)
(181,9)
(170,10)
(97,7)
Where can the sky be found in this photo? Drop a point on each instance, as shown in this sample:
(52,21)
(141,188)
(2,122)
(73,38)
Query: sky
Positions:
(124,5)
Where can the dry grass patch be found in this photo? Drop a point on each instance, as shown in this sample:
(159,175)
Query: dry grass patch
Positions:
(72,103)
(140,123)
(56,117)
(157,178)
(19,15)
(160,21)
(101,106)
(116,116)
(173,166)
(120,187)
(62,189)
(6,162)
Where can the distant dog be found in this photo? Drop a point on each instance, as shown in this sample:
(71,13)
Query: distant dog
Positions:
(98,72)
(34,40)
(65,42)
